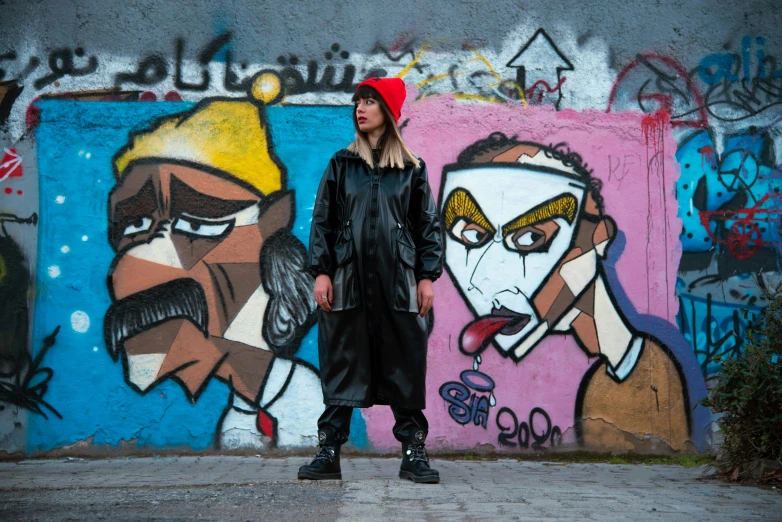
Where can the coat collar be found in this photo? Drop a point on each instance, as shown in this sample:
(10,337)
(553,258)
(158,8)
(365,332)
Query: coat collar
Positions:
(345,153)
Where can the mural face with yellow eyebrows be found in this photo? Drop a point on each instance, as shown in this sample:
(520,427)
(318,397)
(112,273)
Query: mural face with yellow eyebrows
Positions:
(526,236)
(512,218)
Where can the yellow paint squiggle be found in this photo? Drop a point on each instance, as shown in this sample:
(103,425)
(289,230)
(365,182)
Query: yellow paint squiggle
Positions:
(425,47)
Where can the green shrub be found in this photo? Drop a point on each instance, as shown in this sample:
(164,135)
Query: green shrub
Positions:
(748,393)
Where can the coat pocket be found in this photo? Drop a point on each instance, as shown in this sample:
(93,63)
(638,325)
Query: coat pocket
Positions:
(343,281)
(343,252)
(405,289)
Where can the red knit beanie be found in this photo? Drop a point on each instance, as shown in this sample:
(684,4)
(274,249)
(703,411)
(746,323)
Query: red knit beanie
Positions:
(392,90)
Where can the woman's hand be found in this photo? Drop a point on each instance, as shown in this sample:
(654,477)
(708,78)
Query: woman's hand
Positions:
(323,293)
(425,296)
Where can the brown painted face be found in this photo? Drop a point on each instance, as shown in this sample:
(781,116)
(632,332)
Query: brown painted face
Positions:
(576,271)
(188,300)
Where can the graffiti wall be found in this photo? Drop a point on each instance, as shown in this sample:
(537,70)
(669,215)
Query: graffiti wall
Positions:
(551,260)
(609,203)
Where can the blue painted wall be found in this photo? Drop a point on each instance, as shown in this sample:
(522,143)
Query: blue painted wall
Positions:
(79,140)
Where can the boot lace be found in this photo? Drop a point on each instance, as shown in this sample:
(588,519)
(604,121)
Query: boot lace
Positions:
(417,452)
(325,453)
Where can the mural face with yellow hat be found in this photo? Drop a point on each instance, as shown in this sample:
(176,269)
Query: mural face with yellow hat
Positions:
(207,279)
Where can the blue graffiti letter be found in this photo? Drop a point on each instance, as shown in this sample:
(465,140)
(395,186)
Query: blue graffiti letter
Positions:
(459,411)
(723,62)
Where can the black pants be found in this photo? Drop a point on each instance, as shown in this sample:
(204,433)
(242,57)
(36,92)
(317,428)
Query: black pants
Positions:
(334,425)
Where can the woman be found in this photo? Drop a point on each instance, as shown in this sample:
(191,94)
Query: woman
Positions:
(375,249)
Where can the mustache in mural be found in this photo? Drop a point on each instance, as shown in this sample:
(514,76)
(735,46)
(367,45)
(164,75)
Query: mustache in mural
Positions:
(180,298)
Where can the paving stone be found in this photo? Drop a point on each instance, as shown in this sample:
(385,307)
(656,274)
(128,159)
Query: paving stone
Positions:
(250,488)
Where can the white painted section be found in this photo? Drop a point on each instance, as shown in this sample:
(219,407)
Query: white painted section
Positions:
(247,326)
(564,324)
(300,405)
(613,337)
(532,339)
(240,427)
(629,362)
(472,70)
(578,272)
(160,250)
(296,410)
(278,374)
(143,368)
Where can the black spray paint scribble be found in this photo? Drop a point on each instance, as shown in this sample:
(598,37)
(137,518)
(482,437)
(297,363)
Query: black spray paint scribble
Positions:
(27,387)
(154,68)
(62,62)
(519,434)
(23,382)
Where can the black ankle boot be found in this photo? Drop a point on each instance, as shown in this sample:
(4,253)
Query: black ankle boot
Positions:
(325,465)
(415,462)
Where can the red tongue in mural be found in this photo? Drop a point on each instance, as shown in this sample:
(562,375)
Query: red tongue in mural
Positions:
(477,335)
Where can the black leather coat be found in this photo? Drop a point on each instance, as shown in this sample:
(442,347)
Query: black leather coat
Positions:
(376,233)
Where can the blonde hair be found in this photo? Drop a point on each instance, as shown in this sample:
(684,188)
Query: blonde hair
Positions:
(393,151)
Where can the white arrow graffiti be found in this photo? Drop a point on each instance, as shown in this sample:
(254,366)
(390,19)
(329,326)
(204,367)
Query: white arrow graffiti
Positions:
(540,63)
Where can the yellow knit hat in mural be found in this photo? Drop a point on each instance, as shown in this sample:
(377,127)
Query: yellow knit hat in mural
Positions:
(228,135)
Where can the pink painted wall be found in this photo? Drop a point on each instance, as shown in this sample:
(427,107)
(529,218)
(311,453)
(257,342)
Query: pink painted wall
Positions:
(642,202)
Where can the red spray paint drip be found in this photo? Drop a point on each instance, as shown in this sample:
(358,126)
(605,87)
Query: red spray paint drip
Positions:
(744,237)
(8,190)
(707,156)
(665,100)
(654,125)
(32,117)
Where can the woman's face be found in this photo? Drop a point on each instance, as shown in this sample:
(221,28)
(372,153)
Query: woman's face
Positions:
(369,115)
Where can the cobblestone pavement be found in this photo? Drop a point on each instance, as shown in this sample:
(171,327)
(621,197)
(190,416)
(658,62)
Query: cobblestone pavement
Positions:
(251,488)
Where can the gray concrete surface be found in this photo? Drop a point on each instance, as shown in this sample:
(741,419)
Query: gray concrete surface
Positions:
(253,488)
